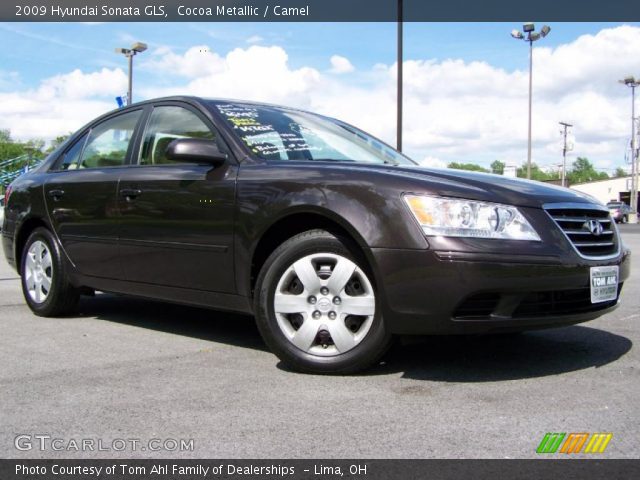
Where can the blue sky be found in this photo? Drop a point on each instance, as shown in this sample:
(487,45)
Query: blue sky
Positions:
(466,83)
(40,50)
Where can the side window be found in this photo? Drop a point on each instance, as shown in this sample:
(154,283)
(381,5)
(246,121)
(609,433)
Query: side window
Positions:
(108,142)
(69,160)
(165,125)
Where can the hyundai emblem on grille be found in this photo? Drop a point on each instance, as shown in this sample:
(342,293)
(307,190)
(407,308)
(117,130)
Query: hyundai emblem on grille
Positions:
(595,227)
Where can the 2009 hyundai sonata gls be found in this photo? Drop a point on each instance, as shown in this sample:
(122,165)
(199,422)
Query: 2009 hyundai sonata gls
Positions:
(332,239)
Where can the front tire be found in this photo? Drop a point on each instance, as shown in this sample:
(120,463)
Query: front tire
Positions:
(45,284)
(317,306)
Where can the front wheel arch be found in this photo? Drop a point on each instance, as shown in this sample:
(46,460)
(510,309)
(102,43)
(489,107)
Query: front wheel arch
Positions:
(363,352)
(296,222)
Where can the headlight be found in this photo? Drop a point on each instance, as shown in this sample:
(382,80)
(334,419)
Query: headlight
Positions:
(452,217)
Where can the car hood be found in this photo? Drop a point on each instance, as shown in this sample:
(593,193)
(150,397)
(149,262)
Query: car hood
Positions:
(490,187)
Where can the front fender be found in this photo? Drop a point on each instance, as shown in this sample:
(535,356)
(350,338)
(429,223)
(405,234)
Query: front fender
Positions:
(366,204)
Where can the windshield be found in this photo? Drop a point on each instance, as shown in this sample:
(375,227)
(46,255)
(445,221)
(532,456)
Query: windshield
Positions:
(274,133)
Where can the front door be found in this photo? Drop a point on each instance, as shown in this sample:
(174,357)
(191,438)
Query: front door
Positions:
(177,218)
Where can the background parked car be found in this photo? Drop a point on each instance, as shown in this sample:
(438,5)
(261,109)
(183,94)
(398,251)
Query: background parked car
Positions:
(619,211)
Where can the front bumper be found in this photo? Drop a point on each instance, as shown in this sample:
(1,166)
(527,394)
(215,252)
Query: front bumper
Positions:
(436,292)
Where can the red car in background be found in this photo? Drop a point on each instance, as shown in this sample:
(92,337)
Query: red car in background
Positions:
(619,211)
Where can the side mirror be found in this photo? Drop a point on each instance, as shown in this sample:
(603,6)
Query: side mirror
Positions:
(195,150)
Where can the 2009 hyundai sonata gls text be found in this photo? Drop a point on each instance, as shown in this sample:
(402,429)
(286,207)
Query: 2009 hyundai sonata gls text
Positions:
(332,239)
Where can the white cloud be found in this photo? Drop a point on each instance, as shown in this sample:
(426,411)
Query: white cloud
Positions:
(197,61)
(255,39)
(257,73)
(61,104)
(77,84)
(340,64)
(453,111)
(432,162)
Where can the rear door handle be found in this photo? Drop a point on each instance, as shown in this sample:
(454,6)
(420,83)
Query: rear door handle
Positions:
(56,194)
(130,193)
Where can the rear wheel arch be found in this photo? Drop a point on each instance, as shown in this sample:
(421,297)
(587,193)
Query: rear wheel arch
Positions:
(24,231)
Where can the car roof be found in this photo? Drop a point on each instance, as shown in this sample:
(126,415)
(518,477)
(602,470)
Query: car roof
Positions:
(190,99)
(210,100)
(205,102)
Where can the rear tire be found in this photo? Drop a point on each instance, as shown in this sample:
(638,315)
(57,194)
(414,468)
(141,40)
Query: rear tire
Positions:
(44,279)
(317,307)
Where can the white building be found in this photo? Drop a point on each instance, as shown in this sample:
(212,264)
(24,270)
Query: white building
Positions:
(607,190)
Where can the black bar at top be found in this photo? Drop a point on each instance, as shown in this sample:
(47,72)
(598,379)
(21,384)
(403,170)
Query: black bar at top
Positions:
(318,10)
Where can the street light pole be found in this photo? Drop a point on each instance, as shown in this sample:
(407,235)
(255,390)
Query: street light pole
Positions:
(130,87)
(136,48)
(632,83)
(530,108)
(564,151)
(399,86)
(531,36)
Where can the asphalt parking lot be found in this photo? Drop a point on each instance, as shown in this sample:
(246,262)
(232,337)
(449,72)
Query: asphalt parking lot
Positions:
(134,369)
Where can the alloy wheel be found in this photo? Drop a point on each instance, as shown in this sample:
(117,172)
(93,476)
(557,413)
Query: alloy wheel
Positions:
(38,271)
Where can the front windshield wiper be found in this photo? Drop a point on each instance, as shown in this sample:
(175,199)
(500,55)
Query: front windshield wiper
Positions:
(386,161)
(333,160)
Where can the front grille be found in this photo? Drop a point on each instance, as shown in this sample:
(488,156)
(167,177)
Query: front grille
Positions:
(591,231)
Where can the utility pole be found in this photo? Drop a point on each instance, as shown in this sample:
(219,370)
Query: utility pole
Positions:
(634,160)
(564,151)
(399,86)
(632,83)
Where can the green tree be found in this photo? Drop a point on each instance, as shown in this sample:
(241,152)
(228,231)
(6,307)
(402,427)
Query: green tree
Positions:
(5,136)
(583,171)
(620,172)
(56,142)
(8,147)
(537,173)
(11,149)
(467,166)
(497,167)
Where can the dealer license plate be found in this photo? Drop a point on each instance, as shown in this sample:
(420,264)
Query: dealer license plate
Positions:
(604,284)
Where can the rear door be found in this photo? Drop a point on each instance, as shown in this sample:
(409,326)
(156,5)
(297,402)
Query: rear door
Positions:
(177,218)
(81,194)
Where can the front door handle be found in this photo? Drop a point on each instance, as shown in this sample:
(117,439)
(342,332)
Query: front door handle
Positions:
(56,194)
(130,193)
